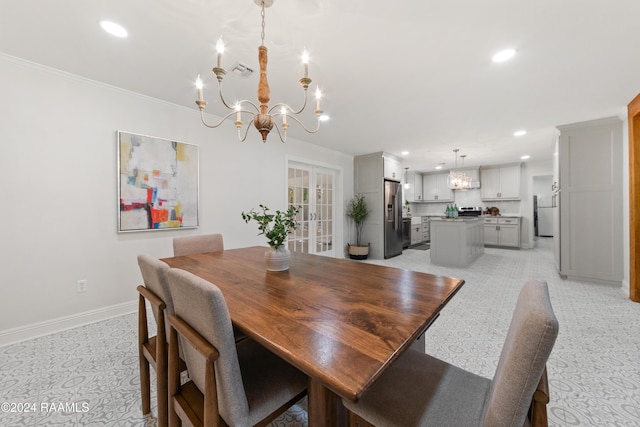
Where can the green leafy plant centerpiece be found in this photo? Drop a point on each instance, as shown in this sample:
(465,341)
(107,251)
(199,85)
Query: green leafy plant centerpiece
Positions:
(275,227)
(358,211)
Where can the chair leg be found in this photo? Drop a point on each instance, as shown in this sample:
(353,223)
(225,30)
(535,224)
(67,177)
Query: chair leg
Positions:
(145,385)
(173,380)
(143,337)
(162,383)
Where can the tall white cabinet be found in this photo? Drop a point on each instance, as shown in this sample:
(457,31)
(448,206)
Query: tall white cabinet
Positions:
(590,200)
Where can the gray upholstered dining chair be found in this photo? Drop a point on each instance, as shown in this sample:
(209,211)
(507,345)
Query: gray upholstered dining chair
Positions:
(197,244)
(241,383)
(187,245)
(420,390)
(153,350)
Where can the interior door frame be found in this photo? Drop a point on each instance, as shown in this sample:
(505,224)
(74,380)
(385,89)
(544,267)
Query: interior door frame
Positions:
(338,222)
(634,198)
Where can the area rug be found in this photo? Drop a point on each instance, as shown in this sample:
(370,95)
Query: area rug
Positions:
(420,246)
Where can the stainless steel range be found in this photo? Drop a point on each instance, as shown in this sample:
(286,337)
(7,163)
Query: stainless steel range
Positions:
(470,211)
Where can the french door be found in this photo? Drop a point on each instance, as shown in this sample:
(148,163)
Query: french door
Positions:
(312,188)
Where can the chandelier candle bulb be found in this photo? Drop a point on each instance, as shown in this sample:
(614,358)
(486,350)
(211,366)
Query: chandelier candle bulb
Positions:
(318,96)
(305,62)
(238,113)
(199,87)
(220,50)
(283,111)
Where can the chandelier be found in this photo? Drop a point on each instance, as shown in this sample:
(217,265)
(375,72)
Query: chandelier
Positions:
(458,180)
(263,117)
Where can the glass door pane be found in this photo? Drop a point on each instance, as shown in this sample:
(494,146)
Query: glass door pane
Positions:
(298,188)
(324,183)
(313,190)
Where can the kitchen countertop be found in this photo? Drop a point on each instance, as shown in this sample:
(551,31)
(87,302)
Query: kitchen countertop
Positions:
(459,219)
(440,216)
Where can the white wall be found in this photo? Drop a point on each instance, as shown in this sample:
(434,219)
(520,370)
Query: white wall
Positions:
(58,170)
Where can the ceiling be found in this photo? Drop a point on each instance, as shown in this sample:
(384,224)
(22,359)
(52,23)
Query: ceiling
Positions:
(412,75)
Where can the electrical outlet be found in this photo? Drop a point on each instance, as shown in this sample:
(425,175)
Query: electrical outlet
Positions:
(81,286)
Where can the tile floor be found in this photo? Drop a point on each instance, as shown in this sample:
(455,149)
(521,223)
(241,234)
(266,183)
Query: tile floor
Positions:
(594,370)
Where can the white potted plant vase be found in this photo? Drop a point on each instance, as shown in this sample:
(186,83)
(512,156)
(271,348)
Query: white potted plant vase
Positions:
(277,259)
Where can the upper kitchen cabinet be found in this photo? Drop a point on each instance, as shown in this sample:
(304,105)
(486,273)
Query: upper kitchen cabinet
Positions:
(392,168)
(413,186)
(435,188)
(500,182)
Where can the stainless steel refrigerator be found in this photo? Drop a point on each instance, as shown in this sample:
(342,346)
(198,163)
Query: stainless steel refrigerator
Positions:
(392,219)
(543,212)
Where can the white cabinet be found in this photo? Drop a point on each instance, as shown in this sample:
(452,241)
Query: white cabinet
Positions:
(416,230)
(500,183)
(491,231)
(392,169)
(425,229)
(435,188)
(590,156)
(413,186)
(416,234)
(456,243)
(499,231)
(509,232)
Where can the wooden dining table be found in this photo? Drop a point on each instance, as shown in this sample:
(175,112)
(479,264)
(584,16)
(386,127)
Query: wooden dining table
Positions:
(341,322)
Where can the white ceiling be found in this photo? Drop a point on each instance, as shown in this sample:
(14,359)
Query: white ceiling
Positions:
(411,75)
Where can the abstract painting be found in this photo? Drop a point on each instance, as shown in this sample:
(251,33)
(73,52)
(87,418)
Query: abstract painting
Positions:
(157,183)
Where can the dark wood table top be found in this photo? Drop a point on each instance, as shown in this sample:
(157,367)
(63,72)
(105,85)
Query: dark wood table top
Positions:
(341,322)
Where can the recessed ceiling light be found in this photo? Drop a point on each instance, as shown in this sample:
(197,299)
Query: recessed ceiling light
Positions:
(503,55)
(520,133)
(439,166)
(323,118)
(525,157)
(113,29)
(404,153)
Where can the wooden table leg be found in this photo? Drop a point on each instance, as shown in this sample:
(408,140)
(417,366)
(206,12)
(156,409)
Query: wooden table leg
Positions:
(325,407)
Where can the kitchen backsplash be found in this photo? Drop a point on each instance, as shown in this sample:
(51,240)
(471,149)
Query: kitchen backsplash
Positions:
(466,198)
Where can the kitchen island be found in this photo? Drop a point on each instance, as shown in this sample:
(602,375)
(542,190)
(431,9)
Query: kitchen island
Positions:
(456,242)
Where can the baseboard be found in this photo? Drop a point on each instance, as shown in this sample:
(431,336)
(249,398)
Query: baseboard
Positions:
(22,333)
(625,288)
(594,280)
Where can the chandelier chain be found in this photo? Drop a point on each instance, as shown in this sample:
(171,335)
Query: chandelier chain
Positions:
(262,32)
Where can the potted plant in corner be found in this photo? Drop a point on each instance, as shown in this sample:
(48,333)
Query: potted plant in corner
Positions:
(276,227)
(357,210)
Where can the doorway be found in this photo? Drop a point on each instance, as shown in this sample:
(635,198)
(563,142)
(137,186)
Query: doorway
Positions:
(313,189)
(543,206)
